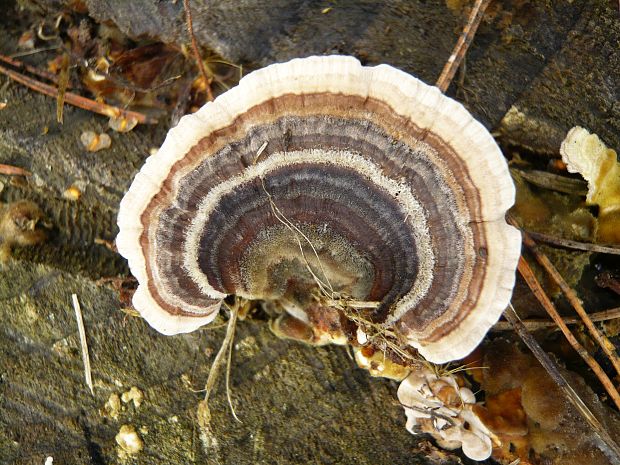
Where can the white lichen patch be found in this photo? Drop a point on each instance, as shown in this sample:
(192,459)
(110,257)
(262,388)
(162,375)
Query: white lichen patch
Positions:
(29,309)
(62,347)
(247,347)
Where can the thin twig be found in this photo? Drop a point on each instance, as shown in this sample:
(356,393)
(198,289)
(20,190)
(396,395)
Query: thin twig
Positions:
(201,66)
(539,293)
(460,49)
(535,323)
(11,170)
(31,69)
(567,243)
(78,100)
(85,358)
(352,303)
(228,367)
(607,445)
(571,295)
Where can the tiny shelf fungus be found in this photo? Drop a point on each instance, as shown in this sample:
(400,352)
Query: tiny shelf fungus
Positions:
(353,200)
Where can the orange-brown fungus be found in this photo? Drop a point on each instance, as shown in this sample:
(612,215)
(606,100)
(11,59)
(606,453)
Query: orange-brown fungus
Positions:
(531,418)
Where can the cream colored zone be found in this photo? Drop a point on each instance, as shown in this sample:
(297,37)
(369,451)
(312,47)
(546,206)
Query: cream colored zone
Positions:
(399,192)
(409,97)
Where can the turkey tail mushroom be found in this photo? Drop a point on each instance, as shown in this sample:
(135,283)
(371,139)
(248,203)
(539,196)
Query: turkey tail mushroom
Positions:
(395,192)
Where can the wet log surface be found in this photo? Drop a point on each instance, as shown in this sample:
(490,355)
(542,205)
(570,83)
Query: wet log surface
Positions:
(555,64)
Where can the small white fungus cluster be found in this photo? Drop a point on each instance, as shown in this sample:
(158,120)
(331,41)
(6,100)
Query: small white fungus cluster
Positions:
(439,406)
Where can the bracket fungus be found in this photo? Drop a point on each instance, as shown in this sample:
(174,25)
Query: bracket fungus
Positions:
(318,182)
(586,154)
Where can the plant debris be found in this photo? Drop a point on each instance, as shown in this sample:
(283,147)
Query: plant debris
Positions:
(95,142)
(21,224)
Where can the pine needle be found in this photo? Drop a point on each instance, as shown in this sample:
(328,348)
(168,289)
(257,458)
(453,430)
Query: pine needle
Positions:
(85,358)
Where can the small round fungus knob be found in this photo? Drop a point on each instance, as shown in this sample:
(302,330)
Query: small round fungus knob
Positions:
(321,180)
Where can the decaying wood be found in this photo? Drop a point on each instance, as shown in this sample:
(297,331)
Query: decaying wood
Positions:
(294,399)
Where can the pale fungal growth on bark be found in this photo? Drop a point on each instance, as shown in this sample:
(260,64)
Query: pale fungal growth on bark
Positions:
(112,407)
(438,405)
(378,364)
(345,196)
(586,154)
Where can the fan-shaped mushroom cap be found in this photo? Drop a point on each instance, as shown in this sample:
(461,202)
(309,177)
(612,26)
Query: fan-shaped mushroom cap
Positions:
(394,191)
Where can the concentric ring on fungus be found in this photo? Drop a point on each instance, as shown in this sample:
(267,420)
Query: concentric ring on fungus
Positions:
(398,189)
